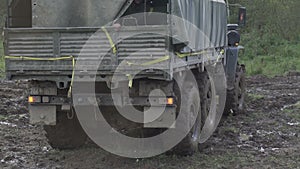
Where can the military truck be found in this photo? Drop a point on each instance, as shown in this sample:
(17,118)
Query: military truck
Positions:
(45,39)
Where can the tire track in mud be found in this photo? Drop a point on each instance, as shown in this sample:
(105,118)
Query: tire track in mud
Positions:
(266,135)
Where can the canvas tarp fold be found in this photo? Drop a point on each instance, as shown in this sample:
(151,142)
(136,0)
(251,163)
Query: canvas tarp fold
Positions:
(204,23)
(209,17)
(74,13)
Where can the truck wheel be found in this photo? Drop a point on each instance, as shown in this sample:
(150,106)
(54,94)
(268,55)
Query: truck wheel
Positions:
(190,103)
(205,95)
(66,134)
(235,101)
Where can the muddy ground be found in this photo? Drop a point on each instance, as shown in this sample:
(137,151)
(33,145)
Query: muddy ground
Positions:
(266,135)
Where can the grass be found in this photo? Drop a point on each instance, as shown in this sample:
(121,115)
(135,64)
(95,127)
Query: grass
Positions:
(2,117)
(2,66)
(255,96)
(283,59)
(297,105)
(232,129)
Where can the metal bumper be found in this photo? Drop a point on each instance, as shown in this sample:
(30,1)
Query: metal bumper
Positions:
(102,100)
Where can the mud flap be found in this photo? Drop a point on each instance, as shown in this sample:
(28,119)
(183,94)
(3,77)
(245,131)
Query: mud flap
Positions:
(165,120)
(41,114)
(45,115)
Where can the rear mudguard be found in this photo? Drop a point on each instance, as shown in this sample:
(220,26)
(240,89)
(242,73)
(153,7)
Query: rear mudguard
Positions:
(231,62)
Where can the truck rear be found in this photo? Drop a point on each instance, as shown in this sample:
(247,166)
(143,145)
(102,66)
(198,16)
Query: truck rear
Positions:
(129,59)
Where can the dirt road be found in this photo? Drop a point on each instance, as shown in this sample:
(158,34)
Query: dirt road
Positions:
(266,135)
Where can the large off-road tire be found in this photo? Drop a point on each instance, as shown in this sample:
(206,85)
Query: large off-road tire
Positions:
(190,103)
(205,90)
(66,134)
(235,101)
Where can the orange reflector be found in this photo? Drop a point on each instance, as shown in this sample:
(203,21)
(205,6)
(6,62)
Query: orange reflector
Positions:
(170,101)
(31,99)
(34,99)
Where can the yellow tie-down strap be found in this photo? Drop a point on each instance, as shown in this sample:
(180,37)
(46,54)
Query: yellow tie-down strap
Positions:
(50,59)
(152,62)
(162,59)
(183,55)
(111,42)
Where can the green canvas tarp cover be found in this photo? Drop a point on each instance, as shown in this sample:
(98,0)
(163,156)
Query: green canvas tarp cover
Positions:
(209,16)
(74,13)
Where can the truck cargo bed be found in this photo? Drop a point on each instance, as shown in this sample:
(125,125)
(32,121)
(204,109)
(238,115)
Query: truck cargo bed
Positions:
(135,47)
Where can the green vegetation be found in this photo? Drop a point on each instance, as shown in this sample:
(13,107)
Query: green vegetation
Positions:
(271,37)
(270,54)
(2,20)
(2,117)
(255,96)
(232,129)
(285,58)
(1,60)
(297,105)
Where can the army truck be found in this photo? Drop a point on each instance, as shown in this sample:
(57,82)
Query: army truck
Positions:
(142,47)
